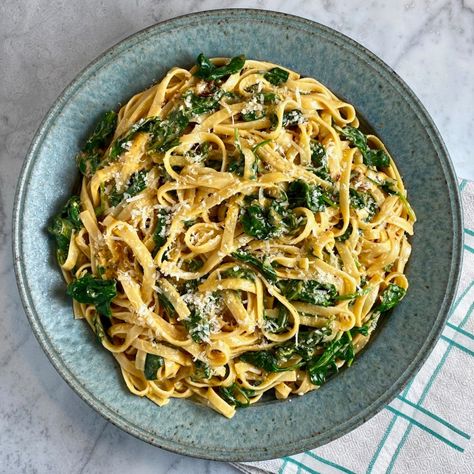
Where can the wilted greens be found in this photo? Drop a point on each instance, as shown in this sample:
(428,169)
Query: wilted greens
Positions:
(276,76)
(91,154)
(313,197)
(362,200)
(96,291)
(390,297)
(209,72)
(63,224)
(308,291)
(261,266)
(136,186)
(152,364)
(375,158)
(236,395)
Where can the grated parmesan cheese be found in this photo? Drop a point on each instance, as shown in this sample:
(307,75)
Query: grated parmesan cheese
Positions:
(119,184)
(201,87)
(209,307)
(252,106)
(187,101)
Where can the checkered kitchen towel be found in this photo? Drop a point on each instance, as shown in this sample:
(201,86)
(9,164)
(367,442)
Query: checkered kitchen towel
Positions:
(428,427)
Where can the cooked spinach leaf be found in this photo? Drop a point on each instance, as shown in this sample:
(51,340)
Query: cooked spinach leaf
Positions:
(252,115)
(355,136)
(313,197)
(237,166)
(267,98)
(123,143)
(371,157)
(361,200)
(138,182)
(367,327)
(165,134)
(276,76)
(282,218)
(390,187)
(71,211)
(237,163)
(345,235)
(292,117)
(63,224)
(166,304)
(152,364)
(161,229)
(319,161)
(236,395)
(88,163)
(103,199)
(238,272)
(309,344)
(199,153)
(318,154)
(376,158)
(61,230)
(201,371)
(265,360)
(266,222)
(324,365)
(353,296)
(255,222)
(198,326)
(209,72)
(273,117)
(89,158)
(263,267)
(136,186)
(308,291)
(198,105)
(96,291)
(318,357)
(390,297)
(260,98)
(194,265)
(102,132)
(280,323)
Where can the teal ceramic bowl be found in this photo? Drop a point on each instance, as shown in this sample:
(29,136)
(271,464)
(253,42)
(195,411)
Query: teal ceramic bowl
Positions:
(272,428)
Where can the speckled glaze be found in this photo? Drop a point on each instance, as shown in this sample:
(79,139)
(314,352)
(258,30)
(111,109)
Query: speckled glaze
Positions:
(403,341)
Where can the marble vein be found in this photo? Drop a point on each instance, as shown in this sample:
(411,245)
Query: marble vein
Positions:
(467,5)
(414,39)
(93,448)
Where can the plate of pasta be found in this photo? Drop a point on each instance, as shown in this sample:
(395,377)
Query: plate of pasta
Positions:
(236,256)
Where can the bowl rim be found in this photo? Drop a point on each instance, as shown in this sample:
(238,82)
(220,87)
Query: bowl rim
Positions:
(274,451)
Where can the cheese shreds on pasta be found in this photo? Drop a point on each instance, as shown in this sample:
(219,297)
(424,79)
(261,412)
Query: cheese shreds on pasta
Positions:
(235,233)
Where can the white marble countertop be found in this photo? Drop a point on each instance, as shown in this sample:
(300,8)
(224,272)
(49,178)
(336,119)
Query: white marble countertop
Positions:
(44,426)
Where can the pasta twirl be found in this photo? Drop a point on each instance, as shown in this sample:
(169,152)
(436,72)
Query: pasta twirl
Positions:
(235,232)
